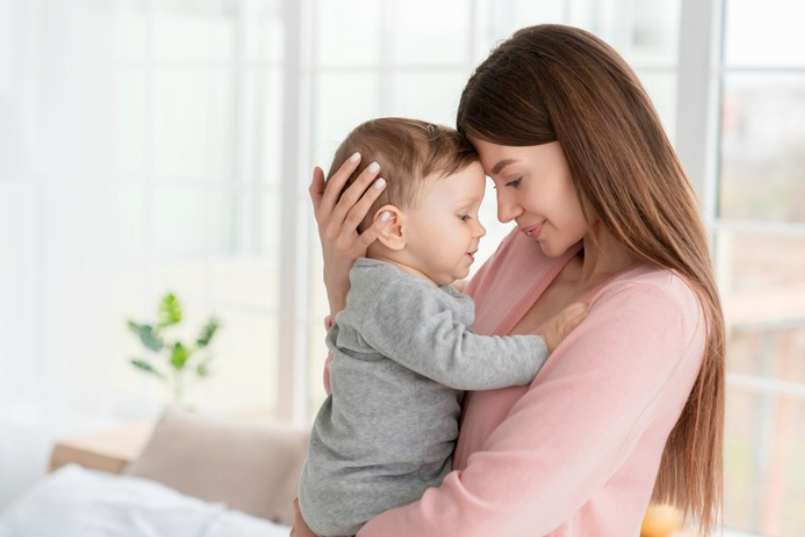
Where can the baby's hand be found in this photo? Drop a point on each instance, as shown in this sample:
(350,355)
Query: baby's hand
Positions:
(560,326)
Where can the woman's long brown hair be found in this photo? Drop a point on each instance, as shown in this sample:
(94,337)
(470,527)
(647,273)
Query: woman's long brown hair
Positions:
(552,82)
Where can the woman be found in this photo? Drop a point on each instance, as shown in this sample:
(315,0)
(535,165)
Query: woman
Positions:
(630,408)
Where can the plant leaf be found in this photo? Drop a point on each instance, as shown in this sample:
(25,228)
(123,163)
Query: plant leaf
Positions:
(179,356)
(144,365)
(208,332)
(170,310)
(148,335)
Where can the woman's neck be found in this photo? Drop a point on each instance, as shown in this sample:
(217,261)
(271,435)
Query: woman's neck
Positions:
(602,257)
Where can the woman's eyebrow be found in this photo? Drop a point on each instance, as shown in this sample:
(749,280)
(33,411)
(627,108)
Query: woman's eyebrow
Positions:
(497,168)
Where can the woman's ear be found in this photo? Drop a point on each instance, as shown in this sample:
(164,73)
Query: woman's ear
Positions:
(392,236)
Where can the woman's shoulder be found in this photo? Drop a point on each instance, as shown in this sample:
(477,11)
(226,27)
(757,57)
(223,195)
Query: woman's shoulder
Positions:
(655,291)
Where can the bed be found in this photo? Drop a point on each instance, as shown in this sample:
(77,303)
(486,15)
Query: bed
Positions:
(197,476)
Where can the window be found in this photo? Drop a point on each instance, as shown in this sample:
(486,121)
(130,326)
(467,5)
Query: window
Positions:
(760,245)
(185,144)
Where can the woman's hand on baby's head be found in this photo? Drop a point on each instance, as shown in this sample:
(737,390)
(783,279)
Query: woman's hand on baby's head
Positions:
(560,326)
(338,216)
(338,213)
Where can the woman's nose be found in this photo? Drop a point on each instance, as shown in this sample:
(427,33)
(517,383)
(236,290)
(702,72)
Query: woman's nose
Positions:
(508,208)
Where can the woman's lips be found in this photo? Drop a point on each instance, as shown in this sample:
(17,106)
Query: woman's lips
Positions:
(533,231)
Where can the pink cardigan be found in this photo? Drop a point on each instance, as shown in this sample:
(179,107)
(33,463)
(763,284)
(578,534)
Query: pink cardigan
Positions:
(575,453)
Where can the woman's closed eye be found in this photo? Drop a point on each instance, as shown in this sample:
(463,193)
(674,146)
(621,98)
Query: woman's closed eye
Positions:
(514,183)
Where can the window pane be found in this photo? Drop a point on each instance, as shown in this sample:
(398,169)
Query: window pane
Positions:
(342,102)
(252,281)
(265,40)
(129,222)
(194,30)
(767,34)
(268,222)
(117,143)
(768,352)
(762,149)
(499,20)
(269,113)
(428,96)
(188,280)
(347,32)
(764,450)
(662,88)
(193,222)
(222,223)
(194,124)
(244,373)
(420,35)
(118,29)
(762,279)
(643,32)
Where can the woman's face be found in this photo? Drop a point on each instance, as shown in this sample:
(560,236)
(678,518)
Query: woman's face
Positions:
(534,188)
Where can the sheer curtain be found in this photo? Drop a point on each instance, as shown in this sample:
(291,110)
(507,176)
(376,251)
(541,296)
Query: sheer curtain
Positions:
(140,152)
(54,226)
(54,215)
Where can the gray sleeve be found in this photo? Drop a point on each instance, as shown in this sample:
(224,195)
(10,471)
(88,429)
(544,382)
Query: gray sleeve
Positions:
(417,330)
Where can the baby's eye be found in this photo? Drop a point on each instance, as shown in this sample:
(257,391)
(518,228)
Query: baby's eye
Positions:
(464,217)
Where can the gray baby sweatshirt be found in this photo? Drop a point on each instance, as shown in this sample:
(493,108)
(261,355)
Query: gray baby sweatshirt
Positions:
(403,351)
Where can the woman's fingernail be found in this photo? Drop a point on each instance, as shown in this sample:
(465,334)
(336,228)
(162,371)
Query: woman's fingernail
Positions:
(380,183)
(355,157)
(373,167)
(385,216)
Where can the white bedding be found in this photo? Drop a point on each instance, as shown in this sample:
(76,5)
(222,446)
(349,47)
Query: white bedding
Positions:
(77,502)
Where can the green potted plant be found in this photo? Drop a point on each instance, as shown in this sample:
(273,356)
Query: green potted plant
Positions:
(171,360)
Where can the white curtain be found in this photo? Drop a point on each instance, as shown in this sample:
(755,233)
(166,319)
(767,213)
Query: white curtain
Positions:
(53,217)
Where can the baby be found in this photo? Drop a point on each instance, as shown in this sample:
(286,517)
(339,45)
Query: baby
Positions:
(403,348)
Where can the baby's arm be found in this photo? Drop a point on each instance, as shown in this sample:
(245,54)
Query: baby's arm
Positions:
(416,329)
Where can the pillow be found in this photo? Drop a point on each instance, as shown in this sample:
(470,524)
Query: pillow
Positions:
(250,467)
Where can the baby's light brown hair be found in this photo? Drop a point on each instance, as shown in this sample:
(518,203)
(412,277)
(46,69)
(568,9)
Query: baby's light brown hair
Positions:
(408,151)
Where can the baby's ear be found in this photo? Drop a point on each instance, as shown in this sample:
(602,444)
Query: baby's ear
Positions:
(392,236)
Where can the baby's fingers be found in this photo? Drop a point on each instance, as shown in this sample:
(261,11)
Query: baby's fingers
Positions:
(572,316)
(565,322)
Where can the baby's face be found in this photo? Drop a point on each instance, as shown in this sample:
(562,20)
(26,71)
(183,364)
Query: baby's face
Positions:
(444,230)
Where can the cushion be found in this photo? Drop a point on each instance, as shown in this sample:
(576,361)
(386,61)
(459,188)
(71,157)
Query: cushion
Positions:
(251,467)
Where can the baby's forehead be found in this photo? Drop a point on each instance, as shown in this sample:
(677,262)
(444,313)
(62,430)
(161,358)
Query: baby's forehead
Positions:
(467,184)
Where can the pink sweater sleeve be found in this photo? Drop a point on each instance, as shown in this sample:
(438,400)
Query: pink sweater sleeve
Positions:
(635,356)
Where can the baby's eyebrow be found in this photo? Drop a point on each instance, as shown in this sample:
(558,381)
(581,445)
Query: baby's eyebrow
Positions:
(468,200)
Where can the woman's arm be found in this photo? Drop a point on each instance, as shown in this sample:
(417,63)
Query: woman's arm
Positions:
(338,216)
(636,355)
